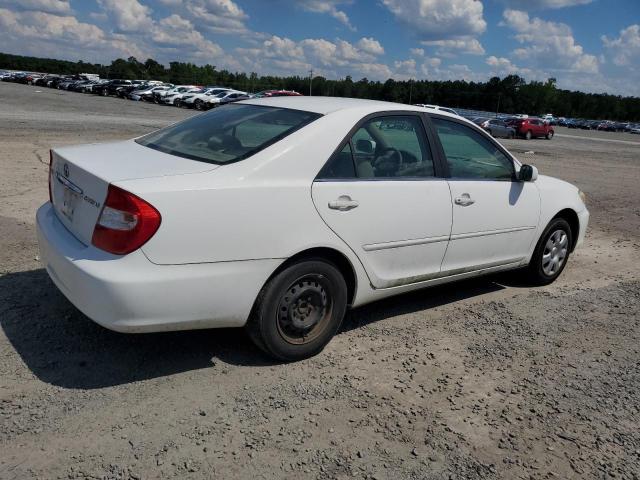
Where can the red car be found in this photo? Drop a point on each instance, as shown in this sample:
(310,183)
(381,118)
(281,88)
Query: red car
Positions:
(532,128)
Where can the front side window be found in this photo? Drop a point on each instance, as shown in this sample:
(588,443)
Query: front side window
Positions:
(227,134)
(390,147)
(470,154)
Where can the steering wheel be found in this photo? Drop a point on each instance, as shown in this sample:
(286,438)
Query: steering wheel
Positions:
(388,162)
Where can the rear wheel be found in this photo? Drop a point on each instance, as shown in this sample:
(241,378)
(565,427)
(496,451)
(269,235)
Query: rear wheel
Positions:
(198,104)
(299,310)
(528,135)
(177,102)
(511,135)
(549,135)
(551,253)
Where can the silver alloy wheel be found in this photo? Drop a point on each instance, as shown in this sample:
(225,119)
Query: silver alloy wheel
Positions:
(555,252)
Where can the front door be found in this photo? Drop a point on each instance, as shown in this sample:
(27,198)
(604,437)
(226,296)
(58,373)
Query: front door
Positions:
(380,194)
(494,216)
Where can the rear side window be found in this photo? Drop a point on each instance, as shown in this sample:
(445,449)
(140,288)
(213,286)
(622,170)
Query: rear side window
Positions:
(227,134)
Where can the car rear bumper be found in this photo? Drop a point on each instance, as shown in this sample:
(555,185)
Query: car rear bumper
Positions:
(131,294)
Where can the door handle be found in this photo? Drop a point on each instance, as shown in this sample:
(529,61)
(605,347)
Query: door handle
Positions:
(464,200)
(344,203)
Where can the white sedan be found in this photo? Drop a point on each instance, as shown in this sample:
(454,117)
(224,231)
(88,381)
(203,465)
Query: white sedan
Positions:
(278,214)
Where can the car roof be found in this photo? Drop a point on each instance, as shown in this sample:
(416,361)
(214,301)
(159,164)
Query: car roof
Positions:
(326,105)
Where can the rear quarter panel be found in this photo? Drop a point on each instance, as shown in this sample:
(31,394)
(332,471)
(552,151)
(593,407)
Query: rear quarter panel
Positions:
(257,208)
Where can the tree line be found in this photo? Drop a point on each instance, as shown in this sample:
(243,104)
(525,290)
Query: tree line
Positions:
(511,94)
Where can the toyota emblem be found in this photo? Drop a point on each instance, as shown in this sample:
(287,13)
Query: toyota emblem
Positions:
(65,170)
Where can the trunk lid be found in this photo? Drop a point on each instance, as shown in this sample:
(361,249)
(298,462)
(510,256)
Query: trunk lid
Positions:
(80,176)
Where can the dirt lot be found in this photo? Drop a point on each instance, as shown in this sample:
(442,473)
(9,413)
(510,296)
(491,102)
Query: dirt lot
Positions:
(484,379)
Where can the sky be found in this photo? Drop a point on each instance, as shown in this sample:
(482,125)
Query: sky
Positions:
(588,45)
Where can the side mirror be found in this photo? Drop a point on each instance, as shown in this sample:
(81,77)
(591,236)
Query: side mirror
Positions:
(528,173)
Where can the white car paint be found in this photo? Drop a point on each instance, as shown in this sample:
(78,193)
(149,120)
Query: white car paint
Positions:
(226,229)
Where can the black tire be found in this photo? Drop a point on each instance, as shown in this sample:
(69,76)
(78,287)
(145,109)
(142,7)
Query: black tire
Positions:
(177,103)
(299,310)
(198,104)
(511,135)
(528,135)
(537,273)
(549,135)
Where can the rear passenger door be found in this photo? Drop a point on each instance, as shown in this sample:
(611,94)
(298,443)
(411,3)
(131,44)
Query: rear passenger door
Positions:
(379,192)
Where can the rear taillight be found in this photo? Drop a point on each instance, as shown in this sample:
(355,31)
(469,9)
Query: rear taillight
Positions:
(50,173)
(126,222)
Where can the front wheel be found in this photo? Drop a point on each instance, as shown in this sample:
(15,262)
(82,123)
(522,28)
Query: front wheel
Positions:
(299,310)
(549,135)
(528,135)
(198,104)
(551,253)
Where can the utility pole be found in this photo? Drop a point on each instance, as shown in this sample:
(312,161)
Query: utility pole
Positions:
(410,90)
(498,108)
(310,80)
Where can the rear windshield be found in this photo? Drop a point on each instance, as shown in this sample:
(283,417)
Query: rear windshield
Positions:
(227,134)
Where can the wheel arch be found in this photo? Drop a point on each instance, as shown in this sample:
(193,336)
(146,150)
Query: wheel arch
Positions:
(332,255)
(571,217)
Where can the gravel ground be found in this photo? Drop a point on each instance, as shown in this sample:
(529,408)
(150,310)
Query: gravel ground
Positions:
(483,379)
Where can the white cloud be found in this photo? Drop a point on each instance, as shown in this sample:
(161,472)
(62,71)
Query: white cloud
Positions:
(501,67)
(128,15)
(417,52)
(330,7)
(543,4)
(176,31)
(370,45)
(217,16)
(405,69)
(450,47)
(338,58)
(45,34)
(47,6)
(440,19)
(626,48)
(548,44)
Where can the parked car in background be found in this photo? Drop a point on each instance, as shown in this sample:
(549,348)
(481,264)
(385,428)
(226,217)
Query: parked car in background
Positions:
(175,230)
(222,98)
(175,97)
(159,95)
(196,99)
(276,93)
(496,127)
(146,93)
(437,107)
(531,127)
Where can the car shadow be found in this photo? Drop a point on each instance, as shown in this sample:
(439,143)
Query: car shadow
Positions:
(63,347)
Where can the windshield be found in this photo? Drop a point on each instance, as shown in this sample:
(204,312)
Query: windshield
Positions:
(227,134)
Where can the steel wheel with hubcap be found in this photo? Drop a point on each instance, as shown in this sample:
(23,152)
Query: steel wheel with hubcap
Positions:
(549,135)
(551,253)
(528,135)
(555,252)
(299,310)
